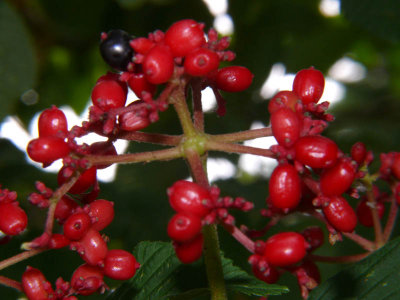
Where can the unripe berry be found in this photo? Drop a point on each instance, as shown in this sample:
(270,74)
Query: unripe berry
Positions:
(338,179)
(64,208)
(120,265)
(84,182)
(158,65)
(13,219)
(47,149)
(87,279)
(364,213)
(52,122)
(102,148)
(340,214)
(184,227)
(314,237)
(234,79)
(92,247)
(358,152)
(139,84)
(76,226)
(102,213)
(396,166)
(283,99)
(35,285)
(134,120)
(309,84)
(270,275)
(108,94)
(285,126)
(201,61)
(191,251)
(58,241)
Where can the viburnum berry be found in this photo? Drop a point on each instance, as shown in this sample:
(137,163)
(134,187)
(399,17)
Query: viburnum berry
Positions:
(101,213)
(340,214)
(285,126)
(47,149)
(396,165)
(284,187)
(189,197)
(308,85)
(76,226)
(283,99)
(64,208)
(84,182)
(184,36)
(234,79)
(158,65)
(52,122)
(364,213)
(270,275)
(102,148)
(35,285)
(58,241)
(120,264)
(141,45)
(314,236)
(92,247)
(184,227)
(316,151)
(338,179)
(200,62)
(108,94)
(13,219)
(116,50)
(190,251)
(358,152)
(139,84)
(284,249)
(134,120)
(87,279)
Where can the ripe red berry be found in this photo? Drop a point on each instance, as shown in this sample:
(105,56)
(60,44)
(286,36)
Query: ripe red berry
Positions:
(64,208)
(87,279)
(84,182)
(358,152)
(184,36)
(92,247)
(311,270)
(58,241)
(284,249)
(234,79)
(396,166)
(184,227)
(316,151)
(338,179)
(269,275)
(141,45)
(340,214)
(283,99)
(309,85)
(200,62)
(13,219)
(120,264)
(285,126)
(189,197)
(102,213)
(134,120)
(52,121)
(364,213)
(191,251)
(139,84)
(108,94)
(285,187)
(35,285)
(314,237)
(76,226)
(47,149)
(158,65)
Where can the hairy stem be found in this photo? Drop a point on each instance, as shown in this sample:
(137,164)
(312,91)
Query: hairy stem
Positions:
(153,138)
(242,135)
(19,257)
(213,145)
(10,283)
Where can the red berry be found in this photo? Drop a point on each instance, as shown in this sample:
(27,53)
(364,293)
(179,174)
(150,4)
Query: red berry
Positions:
(314,237)
(284,249)
(284,187)
(120,264)
(184,36)
(102,213)
(87,279)
(139,84)
(84,182)
(134,120)
(269,275)
(184,227)
(316,151)
(141,45)
(191,251)
(338,179)
(358,152)
(234,79)
(102,148)
(64,208)
(58,241)
(396,166)
(283,99)
(189,197)
(92,247)
(309,84)
(158,65)
(52,121)
(108,94)
(13,219)
(47,149)
(201,61)
(35,285)
(311,270)
(340,214)
(285,126)
(364,213)
(76,226)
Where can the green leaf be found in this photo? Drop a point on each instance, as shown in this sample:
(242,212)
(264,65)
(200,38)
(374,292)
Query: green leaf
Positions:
(17,64)
(376,277)
(162,276)
(379,17)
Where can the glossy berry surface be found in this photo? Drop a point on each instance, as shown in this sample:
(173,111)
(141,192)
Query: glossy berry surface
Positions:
(340,214)
(139,84)
(200,62)
(58,241)
(120,265)
(283,99)
(184,227)
(35,285)
(316,151)
(109,94)
(358,152)
(84,182)
(92,247)
(47,149)
(184,36)
(338,179)
(364,213)
(13,219)
(234,79)
(141,45)
(284,187)
(64,208)
(189,197)
(87,279)
(101,213)
(76,226)
(52,121)
(308,85)
(115,49)
(191,251)
(284,249)
(158,65)
(285,126)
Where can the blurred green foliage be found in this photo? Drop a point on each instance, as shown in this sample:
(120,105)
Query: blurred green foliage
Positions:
(49,55)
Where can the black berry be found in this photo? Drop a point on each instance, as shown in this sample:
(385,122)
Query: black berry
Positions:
(115,49)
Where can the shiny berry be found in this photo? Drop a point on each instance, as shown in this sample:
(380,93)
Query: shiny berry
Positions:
(285,126)
(234,79)
(92,247)
(115,49)
(64,208)
(284,249)
(13,219)
(52,121)
(120,264)
(340,214)
(101,213)
(191,251)
(184,227)
(364,213)
(84,182)
(269,275)
(141,45)
(35,285)
(76,226)
(87,279)
(338,179)
(283,99)
(316,151)
(200,62)
(284,187)
(309,85)
(184,36)
(139,84)
(109,94)
(358,152)
(58,241)
(158,65)
(47,149)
